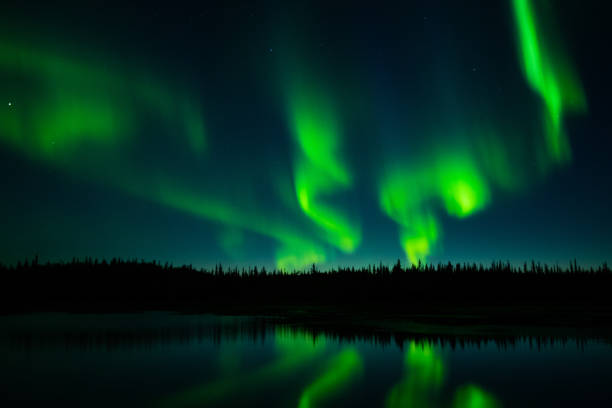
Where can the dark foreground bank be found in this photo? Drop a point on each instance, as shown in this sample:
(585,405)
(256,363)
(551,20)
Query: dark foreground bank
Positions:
(377,297)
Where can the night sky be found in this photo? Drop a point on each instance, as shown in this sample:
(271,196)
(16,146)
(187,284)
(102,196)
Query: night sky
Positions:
(289,133)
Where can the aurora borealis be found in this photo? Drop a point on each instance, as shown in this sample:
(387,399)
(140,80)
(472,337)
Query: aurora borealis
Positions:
(290,134)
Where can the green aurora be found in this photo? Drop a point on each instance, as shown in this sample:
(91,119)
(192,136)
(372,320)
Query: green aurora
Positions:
(77,108)
(319,171)
(92,120)
(459,178)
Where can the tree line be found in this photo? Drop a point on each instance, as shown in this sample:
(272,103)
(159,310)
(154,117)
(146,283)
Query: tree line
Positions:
(122,284)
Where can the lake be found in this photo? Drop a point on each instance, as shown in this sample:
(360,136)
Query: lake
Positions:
(162,359)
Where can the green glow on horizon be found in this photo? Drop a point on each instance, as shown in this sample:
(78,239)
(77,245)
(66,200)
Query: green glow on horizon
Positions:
(550,75)
(472,396)
(296,258)
(342,369)
(319,170)
(417,241)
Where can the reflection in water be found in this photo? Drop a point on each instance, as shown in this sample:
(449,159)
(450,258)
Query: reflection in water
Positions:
(423,377)
(158,329)
(342,369)
(472,396)
(297,351)
(426,365)
(195,360)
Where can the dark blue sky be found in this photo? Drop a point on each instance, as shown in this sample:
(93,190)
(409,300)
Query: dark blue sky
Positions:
(285,134)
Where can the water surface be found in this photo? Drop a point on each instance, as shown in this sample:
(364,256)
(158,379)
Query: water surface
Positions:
(171,360)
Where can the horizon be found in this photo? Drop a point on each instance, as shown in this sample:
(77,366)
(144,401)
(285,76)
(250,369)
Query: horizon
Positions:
(516,266)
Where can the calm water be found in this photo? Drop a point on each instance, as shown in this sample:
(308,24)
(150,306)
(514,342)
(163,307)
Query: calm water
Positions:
(167,360)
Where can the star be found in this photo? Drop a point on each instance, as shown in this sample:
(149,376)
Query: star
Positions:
(10,104)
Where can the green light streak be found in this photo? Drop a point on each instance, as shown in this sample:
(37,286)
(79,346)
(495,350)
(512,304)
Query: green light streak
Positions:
(80,119)
(343,368)
(65,110)
(417,240)
(408,195)
(318,135)
(295,252)
(472,396)
(319,171)
(401,197)
(462,178)
(548,74)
